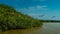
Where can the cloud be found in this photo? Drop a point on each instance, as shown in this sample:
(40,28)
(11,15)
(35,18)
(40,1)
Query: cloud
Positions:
(33,14)
(35,8)
(35,11)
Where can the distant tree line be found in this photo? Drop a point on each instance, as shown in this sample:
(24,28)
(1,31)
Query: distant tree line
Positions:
(50,20)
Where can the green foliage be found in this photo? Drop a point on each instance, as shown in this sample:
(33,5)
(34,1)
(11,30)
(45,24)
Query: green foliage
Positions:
(12,19)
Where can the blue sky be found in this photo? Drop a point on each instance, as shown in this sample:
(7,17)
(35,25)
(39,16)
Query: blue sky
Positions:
(37,8)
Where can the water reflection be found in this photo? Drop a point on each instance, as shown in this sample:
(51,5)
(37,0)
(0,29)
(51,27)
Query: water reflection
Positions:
(48,28)
(51,28)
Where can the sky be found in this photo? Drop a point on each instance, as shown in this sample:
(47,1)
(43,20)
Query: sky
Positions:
(40,9)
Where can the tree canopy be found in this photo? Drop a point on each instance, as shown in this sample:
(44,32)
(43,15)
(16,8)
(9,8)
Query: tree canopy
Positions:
(12,19)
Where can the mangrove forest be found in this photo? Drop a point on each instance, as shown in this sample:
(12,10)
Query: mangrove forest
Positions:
(13,19)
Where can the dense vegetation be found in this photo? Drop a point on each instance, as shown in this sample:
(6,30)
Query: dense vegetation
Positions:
(12,19)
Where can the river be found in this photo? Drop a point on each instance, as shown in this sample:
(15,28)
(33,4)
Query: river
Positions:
(47,28)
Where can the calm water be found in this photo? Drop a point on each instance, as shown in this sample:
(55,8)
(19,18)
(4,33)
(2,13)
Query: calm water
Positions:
(47,28)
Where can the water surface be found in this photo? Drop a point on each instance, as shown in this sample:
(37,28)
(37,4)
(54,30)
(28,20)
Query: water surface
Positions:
(47,28)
